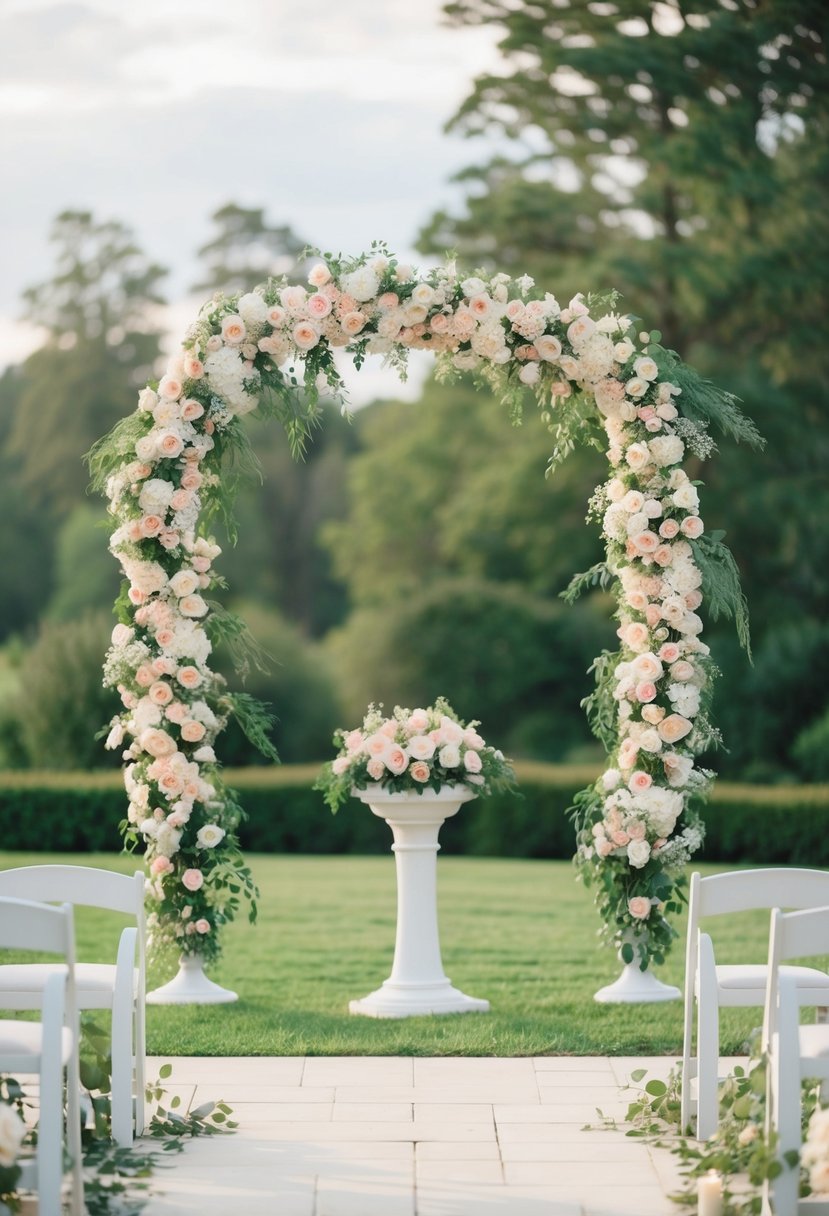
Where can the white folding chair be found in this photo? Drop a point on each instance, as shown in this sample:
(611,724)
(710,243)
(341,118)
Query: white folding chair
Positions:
(794,1052)
(714,986)
(119,987)
(47,1049)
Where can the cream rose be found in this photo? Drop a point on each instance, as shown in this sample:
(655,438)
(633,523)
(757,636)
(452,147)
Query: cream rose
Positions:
(673,728)
(419,770)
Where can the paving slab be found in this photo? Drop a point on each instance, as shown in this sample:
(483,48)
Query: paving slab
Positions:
(402,1136)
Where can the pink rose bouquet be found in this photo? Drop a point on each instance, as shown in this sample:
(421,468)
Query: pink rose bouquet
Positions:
(412,751)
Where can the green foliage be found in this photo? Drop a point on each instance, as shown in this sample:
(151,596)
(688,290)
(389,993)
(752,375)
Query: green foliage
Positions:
(514,660)
(771,825)
(85,575)
(294,680)
(61,702)
(811,750)
(724,595)
(255,721)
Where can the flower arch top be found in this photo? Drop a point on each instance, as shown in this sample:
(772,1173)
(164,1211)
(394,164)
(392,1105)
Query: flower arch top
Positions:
(272,349)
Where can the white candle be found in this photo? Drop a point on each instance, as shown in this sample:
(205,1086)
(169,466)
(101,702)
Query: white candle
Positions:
(709,1195)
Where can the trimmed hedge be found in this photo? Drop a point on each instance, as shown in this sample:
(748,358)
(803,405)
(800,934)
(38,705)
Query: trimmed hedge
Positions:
(76,812)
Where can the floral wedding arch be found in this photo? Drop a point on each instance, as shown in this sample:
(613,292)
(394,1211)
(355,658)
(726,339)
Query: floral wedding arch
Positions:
(597,381)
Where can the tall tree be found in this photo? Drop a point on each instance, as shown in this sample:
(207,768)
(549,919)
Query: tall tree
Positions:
(645,133)
(245,250)
(100,312)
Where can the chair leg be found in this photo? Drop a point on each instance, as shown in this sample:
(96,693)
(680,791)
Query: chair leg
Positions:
(708,1058)
(783,1117)
(121,1047)
(73,1127)
(140,1067)
(50,1130)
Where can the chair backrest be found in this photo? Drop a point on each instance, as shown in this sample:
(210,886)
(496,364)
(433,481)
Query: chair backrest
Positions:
(84,885)
(27,925)
(743,890)
(798,934)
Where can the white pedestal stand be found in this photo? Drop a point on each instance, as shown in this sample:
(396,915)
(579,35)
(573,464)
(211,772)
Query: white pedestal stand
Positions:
(191,986)
(417,984)
(635,987)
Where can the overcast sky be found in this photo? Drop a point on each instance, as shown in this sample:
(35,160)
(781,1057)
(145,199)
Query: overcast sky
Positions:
(156,112)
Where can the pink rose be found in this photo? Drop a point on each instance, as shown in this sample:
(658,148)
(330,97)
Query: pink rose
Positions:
(668,529)
(353,322)
(472,739)
(144,676)
(354,740)
(620,838)
(189,677)
(653,713)
(376,744)
(639,907)
(151,525)
(604,848)
(306,336)
(645,691)
(635,635)
(193,367)
(692,526)
(170,387)
(319,275)
(636,830)
(419,770)
(646,667)
(387,301)
(628,753)
(340,765)
(180,500)
(693,600)
(160,693)
(421,747)
(376,768)
(653,615)
(192,605)
(669,653)
(234,329)
(157,742)
(136,596)
(192,731)
(193,880)
(439,324)
(472,762)
(639,781)
(664,555)
(318,306)
(637,600)
(673,728)
(191,480)
(646,542)
(202,925)
(293,298)
(682,671)
(276,316)
(164,637)
(160,865)
(396,760)
(418,720)
(191,410)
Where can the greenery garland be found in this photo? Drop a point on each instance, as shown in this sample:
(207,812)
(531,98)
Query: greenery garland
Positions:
(175,463)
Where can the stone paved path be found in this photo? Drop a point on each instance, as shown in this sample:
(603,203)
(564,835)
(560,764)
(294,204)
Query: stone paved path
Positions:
(391,1136)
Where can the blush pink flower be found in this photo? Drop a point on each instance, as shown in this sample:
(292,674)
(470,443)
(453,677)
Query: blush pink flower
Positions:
(202,925)
(396,760)
(189,677)
(645,692)
(160,866)
(639,781)
(472,762)
(692,526)
(144,676)
(668,529)
(419,770)
(192,731)
(673,728)
(193,880)
(160,693)
(306,336)
(353,322)
(376,768)
(669,653)
(318,306)
(234,329)
(639,907)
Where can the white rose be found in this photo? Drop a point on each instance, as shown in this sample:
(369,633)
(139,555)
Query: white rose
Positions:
(449,756)
(147,399)
(623,350)
(548,347)
(473,287)
(638,853)
(637,456)
(362,283)
(209,836)
(667,449)
(636,387)
(155,496)
(611,778)
(423,294)
(252,309)
(646,368)
(184,583)
(529,373)
(686,497)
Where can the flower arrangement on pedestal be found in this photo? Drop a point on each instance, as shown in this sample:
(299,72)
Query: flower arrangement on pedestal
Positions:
(273,349)
(412,751)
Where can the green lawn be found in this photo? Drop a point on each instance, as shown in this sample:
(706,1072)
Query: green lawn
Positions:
(521,933)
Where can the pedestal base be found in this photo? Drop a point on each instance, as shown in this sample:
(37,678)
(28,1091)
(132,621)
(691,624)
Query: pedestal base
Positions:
(394,1000)
(191,987)
(635,987)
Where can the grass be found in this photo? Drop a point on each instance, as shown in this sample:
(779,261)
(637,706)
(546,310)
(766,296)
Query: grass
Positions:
(521,933)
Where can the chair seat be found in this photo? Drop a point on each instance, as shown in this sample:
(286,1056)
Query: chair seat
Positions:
(814,1042)
(25,1040)
(744,976)
(22,984)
